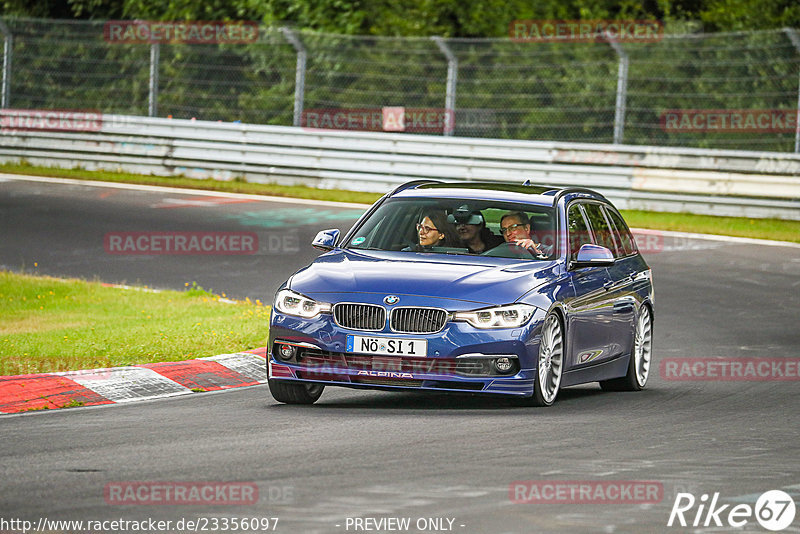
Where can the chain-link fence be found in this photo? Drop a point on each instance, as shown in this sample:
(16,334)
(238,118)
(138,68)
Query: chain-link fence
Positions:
(569,91)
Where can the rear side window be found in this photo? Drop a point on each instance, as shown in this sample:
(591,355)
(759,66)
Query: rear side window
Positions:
(603,234)
(578,231)
(624,237)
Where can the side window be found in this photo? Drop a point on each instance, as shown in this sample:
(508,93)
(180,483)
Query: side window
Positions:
(578,231)
(624,237)
(602,231)
(543,229)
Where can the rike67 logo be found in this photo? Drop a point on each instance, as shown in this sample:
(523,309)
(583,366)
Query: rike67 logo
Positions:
(774,510)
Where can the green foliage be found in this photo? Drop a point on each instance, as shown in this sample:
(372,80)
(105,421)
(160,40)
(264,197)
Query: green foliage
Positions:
(505,89)
(41,8)
(448,18)
(727,15)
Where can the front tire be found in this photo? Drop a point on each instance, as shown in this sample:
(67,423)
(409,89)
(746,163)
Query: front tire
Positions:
(294,393)
(639,365)
(550,364)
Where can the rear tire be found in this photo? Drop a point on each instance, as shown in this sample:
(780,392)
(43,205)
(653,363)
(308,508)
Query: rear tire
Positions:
(639,365)
(294,393)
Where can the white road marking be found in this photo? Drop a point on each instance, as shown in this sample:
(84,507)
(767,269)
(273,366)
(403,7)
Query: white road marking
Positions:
(125,384)
(246,364)
(192,203)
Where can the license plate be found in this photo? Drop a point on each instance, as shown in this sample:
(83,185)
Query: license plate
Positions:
(387,345)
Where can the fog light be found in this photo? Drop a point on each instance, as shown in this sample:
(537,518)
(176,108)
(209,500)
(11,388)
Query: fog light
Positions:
(503,365)
(286,352)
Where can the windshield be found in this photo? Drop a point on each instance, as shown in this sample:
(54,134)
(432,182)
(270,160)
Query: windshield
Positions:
(459,226)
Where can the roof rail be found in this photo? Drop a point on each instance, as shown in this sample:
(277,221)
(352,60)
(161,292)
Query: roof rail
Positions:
(558,191)
(552,191)
(568,190)
(413,183)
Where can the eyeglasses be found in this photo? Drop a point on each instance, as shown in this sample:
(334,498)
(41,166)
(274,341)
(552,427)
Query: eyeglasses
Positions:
(511,228)
(421,228)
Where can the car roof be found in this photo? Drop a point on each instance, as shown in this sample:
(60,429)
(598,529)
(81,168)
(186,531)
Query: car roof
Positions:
(544,195)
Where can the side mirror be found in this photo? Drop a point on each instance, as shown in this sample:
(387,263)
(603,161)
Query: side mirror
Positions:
(326,239)
(593,256)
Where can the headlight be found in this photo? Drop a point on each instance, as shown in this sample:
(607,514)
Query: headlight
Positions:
(509,316)
(291,303)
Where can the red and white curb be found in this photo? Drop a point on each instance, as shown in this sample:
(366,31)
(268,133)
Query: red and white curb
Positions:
(127,384)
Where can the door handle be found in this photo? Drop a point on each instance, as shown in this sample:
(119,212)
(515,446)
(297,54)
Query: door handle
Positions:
(609,285)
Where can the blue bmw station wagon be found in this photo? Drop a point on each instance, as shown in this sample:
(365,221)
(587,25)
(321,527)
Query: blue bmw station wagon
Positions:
(480,288)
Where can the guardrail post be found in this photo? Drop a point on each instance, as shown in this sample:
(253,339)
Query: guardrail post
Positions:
(155,54)
(8,43)
(452,81)
(299,76)
(792,33)
(622,91)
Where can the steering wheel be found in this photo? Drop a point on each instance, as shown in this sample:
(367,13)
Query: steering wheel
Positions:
(511,250)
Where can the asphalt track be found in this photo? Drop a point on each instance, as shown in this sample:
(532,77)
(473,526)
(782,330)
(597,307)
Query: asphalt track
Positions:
(381,455)
(63,229)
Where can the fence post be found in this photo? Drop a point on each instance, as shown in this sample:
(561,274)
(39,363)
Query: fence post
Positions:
(622,91)
(155,54)
(792,33)
(450,91)
(8,43)
(300,74)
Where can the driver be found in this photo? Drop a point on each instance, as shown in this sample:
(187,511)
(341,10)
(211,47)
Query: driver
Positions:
(516,228)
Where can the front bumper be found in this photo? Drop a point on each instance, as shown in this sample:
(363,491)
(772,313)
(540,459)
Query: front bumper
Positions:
(459,358)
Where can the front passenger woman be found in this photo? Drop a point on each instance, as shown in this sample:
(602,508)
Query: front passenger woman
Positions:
(433,230)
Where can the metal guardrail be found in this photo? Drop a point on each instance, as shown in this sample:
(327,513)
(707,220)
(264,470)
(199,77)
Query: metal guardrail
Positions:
(719,182)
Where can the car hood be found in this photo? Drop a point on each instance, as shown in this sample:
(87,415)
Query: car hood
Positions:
(474,279)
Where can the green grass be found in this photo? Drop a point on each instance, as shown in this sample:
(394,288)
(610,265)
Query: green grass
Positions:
(49,325)
(777,229)
(71,404)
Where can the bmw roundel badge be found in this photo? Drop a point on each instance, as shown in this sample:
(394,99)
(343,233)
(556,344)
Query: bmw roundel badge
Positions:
(391,299)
